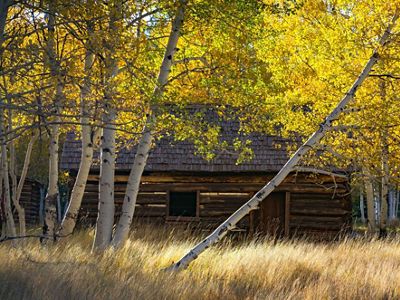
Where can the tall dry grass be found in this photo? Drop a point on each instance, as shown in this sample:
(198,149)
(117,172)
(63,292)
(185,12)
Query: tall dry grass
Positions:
(352,269)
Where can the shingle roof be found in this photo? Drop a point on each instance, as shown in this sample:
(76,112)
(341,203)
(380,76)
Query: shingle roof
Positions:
(169,155)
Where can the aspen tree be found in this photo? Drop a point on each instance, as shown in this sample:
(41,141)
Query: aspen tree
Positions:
(88,137)
(313,140)
(105,219)
(145,142)
(53,64)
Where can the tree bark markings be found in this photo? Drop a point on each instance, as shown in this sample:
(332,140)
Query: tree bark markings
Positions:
(145,142)
(106,210)
(50,223)
(88,142)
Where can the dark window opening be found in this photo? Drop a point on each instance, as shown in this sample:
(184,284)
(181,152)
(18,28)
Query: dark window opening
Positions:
(182,204)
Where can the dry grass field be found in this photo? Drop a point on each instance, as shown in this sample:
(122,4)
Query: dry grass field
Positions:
(352,269)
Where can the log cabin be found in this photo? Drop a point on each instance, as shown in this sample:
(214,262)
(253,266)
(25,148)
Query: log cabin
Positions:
(180,187)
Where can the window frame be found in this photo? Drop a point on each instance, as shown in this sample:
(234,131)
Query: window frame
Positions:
(183,218)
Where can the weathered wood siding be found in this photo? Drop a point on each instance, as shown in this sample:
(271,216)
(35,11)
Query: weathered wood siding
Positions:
(314,204)
(30,201)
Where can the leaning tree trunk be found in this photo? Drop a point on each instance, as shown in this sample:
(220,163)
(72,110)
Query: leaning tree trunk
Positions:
(314,139)
(105,218)
(17,185)
(71,215)
(18,192)
(145,142)
(50,223)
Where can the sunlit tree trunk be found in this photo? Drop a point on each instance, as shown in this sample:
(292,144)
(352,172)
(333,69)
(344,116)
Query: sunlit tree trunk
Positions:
(88,140)
(313,141)
(145,142)
(49,228)
(105,218)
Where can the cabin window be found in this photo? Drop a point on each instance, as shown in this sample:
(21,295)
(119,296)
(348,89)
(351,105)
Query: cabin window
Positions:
(182,204)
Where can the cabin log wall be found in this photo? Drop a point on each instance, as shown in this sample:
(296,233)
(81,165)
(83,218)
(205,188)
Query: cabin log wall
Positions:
(313,204)
(30,201)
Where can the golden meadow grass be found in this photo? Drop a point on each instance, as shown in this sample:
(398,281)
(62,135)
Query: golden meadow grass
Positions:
(352,269)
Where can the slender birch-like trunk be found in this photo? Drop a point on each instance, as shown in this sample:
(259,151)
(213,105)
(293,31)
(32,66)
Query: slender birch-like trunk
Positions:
(314,139)
(13,185)
(385,168)
(391,197)
(71,215)
(4,5)
(105,218)
(50,222)
(145,142)
(396,205)
(369,191)
(362,207)
(24,172)
(11,230)
(18,185)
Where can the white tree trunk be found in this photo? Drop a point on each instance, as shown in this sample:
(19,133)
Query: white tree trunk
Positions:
(362,207)
(4,4)
(24,172)
(71,214)
(145,142)
(385,168)
(50,222)
(11,231)
(52,190)
(391,203)
(396,205)
(369,191)
(314,139)
(106,209)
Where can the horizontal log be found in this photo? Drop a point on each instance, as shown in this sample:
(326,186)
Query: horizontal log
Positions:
(231,178)
(228,207)
(318,205)
(316,219)
(312,195)
(153,212)
(224,187)
(316,226)
(211,213)
(320,212)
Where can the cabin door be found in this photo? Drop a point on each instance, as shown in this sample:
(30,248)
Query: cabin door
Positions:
(269,220)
